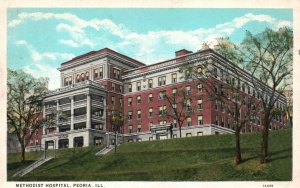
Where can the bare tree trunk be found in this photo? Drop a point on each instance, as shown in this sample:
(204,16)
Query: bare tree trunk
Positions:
(238,156)
(265,142)
(180,131)
(22,152)
(115,141)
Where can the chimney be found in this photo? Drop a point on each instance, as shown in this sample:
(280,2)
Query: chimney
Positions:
(182,52)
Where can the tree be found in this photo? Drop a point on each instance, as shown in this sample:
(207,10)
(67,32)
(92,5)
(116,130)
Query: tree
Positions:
(268,56)
(116,119)
(224,87)
(24,104)
(179,106)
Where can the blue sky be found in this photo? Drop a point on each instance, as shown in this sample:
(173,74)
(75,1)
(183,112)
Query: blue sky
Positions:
(39,40)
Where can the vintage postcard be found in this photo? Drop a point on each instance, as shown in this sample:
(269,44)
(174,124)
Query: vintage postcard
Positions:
(107,94)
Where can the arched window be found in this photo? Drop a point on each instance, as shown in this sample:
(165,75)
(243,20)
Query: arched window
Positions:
(78,78)
(243,87)
(82,77)
(87,75)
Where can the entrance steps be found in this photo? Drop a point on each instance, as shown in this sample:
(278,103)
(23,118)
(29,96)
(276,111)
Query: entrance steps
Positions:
(105,150)
(33,166)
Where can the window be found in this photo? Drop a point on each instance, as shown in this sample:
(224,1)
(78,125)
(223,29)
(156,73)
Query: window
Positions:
(139,128)
(162,95)
(138,99)
(82,77)
(160,111)
(222,90)
(129,115)
(151,124)
(187,74)
(222,121)
(78,78)
(121,102)
(174,78)
(199,71)
(215,72)
(117,73)
(221,74)
(243,87)
(98,73)
(162,122)
(130,129)
(233,81)
(87,75)
(120,89)
(138,86)
(112,100)
(113,86)
(200,120)
(228,123)
(174,106)
(222,106)
(174,123)
(216,105)
(216,88)
(200,104)
(174,91)
(68,81)
(150,112)
(129,101)
(139,114)
(188,90)
(150,83)
(129,87)
(161,81)
(188,105)
(150,97)
(189,121)
(199,88)
(249,91)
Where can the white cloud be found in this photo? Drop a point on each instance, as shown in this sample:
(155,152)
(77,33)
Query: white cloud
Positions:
(39,56)
(21,42)
(41,70)
(69,43)
(138,44)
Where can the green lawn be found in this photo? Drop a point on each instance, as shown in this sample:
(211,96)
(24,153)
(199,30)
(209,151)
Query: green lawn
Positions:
(194,159)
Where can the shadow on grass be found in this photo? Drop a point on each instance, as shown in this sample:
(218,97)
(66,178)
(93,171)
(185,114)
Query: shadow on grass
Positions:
(277,155)
(72,159)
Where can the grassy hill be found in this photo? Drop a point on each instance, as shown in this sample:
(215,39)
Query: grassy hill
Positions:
(193,159)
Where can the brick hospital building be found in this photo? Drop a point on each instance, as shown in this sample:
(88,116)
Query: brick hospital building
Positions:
(99,80)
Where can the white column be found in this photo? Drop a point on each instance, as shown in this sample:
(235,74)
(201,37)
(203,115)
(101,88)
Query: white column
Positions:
(72,113)
(57,109)
(44,117)
(88,112)
(91,74)
(71,141)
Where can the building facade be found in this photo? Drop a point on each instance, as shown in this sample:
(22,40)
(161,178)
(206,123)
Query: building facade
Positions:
(100,80)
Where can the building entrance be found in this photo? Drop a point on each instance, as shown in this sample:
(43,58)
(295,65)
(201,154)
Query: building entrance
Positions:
(78,142)
(63,143)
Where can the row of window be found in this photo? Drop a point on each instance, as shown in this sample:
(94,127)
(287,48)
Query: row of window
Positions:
(160,82)
(241,86)
(114,88)
(161,95)
(98,73)
(164,122)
